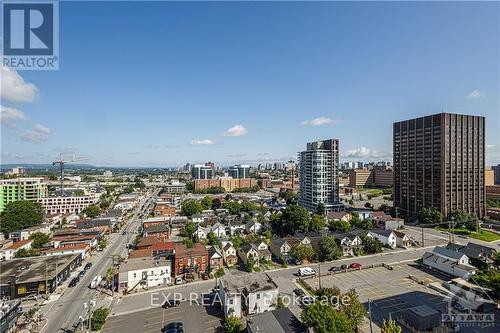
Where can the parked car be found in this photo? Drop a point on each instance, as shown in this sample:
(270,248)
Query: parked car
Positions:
(306,271)
(88,266)
(171,303)
(204,276)
(335,269)
(179,280)
(175,327)
(299,292)
(73,282)
(82,273)
(343,267)
(460,307)
(355,265)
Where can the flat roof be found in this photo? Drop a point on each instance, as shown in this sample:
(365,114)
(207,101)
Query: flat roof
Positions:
(237,280)
(33,269)
(142,263)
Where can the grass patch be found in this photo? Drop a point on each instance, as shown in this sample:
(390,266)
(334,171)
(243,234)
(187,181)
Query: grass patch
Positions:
(307,287)
(484,235)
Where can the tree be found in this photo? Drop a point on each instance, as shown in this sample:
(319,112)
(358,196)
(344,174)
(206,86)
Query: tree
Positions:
(216,204)
(212,239)
(250,263)
(290,197)
(371,245)
(19,215)
(79,193)
(232,324)
(430,215)
(340,226)
(206,202)
(328,249)
(103,243)
(267,234)
(232,206)
(317,222)
(280,303)
(320,210)
(191,207)
(390,326)
(329,294)
(323,318)
(470,221)
(188,242)
(354,309)
(39,239)
(92,211)
(109,276)
(303,252)
(99,318)
(295,218)
(189,230)
(23,253)
(237,241)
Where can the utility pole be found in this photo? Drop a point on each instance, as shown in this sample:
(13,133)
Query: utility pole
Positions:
(423,238)
(319,274)
(453,229)
(370,313)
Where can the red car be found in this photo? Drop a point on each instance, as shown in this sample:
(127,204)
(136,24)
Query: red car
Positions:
(355,265)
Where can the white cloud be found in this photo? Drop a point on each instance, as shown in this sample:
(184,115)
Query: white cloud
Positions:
(38,134)
(476,93)
(490,146)
(9,116)
(201,142)
(15,89)
(364,152)
(236,130)
(320,121)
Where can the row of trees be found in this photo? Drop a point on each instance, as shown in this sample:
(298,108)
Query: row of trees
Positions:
(433,216)
(296,219)
(193,206)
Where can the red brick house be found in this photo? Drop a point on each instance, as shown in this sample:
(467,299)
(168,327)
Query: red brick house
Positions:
(190,260)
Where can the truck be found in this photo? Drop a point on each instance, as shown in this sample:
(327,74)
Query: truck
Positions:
(96,281)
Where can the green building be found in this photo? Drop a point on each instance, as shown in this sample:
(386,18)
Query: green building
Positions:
(17,189)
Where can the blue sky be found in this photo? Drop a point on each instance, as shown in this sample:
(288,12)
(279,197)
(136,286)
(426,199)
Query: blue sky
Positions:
(164,83)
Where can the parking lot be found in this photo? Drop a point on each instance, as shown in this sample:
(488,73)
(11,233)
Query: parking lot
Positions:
(195,318)
(379,282)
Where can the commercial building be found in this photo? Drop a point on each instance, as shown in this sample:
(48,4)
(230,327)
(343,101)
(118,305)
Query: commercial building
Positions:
(448,261)
(144,273)
(439,163)
(247,293)
(489,177)
(64,205)
(174,187)
(496,174)
(18,189)
(360,178)
(190,260)
(318,173)
(202,171)
(240,171)
(276,321)
(35,275)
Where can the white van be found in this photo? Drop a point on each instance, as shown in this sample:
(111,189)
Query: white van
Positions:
(306,271)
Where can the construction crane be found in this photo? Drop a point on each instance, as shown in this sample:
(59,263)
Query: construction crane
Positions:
(61,163)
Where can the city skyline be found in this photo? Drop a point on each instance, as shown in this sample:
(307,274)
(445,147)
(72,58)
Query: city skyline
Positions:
(346,62)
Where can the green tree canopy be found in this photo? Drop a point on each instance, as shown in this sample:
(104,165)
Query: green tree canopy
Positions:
(39,239)
(191,207)
(390,326)
(92,211)
(328,249)
(317,223)
(232,325)
(371,245)
(295,218)
(323,318)
(340,226)
(206,202)
(99,318)
(303,252)
(232,206)
(19,215)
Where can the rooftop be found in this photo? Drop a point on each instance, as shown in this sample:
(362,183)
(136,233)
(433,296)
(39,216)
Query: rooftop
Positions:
(276,321)
(34,269)
(142,263)
(235,281)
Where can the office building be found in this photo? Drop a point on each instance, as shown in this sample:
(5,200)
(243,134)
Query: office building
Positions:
(239,171)
(318,172)
(439,163)
(18,189)
(202,171)
(496,174)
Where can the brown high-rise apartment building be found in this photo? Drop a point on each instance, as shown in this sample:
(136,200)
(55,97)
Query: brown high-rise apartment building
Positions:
(439,163)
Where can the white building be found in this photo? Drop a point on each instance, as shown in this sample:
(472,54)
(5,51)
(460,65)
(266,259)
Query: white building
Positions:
(451,262)
(63,205)
(219,230)
(24,234)
(254,292)
(143,273)
(386,237)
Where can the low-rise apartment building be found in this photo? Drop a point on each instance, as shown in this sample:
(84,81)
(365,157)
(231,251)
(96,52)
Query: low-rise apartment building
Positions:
(143,273)
(63,205)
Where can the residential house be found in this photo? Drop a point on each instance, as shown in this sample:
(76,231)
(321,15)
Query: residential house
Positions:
(215,258)
(280,247)
(10,252)
(219,230)
(263,249)
(26,233)
(478,254)
(229,253)
(198,218)
(253,227)
(247,250)
(147,242)
(402,239)
(386,237)
(447,261)
(247,293)
(143,273)
(348,242)
(189,260)
(236,227)
(201,232)
(149,222)
(340,216)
